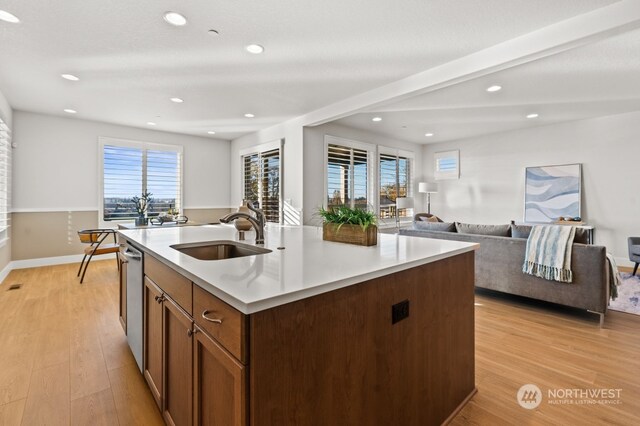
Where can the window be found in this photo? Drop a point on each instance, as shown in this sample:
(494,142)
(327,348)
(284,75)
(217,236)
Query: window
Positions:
(354,179)
(395,176)
(447,165)
(130,168)
(261,179)
(5,178)
(348,174)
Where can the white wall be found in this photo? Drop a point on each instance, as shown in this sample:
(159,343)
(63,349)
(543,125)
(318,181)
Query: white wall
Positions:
(491,184)
(314,162)
(55,165)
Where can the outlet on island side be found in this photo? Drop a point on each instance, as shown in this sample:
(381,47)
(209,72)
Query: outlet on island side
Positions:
(399,311)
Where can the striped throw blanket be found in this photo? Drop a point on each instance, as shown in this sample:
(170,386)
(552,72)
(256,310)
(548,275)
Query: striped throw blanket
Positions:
(548,253)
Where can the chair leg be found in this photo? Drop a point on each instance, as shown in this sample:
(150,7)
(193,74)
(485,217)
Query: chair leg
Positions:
(85,268)
(635,269)
(81,263)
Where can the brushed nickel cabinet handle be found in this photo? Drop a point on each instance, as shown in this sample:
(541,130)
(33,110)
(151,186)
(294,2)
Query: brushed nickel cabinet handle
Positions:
(191,332)
(159,299)
(205,317)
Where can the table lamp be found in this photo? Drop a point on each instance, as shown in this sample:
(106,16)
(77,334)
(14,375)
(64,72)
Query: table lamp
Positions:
(428,188)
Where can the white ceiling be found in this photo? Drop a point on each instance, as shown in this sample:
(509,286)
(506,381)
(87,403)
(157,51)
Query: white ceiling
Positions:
(599,79)
(131,62)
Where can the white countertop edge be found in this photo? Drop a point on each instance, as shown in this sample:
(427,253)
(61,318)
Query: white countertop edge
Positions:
(253,307)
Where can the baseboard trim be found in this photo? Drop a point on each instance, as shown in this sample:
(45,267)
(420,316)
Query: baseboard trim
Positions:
(5,272)
(46,261)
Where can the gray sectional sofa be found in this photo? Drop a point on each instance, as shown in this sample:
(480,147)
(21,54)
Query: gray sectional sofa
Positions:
(500,257)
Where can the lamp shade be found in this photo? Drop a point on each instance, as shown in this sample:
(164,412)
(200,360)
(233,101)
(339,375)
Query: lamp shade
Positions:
(426,187)
(404,202)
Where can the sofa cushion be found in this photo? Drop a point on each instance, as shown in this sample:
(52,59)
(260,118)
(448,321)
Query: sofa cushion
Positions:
(435,226)
(495,230)
(523,231)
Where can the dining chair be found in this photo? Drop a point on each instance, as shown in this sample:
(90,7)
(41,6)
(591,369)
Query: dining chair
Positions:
(97,245)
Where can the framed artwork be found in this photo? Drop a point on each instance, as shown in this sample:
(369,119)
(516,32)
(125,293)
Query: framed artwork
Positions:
(552,192)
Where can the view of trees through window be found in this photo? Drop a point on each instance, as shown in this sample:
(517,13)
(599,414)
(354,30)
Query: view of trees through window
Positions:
(261,174)
(347,171)
(395,174)
(130,171)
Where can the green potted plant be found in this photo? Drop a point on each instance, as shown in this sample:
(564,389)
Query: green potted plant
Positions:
(141,204)
(346,225)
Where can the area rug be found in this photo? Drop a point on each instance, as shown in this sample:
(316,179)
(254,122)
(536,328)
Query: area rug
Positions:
(628,299)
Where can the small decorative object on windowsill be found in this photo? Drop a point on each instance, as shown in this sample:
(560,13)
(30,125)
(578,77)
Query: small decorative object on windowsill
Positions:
(346,225)
(161,220)
(141,205)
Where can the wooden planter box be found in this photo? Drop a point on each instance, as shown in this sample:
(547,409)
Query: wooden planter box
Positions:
(350,234)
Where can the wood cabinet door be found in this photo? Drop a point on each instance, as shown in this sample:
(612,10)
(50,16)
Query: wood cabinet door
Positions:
(177,365)
(123,292)
(153,300)
(220,384)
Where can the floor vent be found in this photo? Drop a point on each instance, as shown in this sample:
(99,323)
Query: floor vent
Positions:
(14,287)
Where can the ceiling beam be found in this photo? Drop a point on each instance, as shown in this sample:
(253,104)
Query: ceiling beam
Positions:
(559,37)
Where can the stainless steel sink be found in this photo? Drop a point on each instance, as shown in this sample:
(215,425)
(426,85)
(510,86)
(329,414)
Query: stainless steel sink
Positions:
(219,250)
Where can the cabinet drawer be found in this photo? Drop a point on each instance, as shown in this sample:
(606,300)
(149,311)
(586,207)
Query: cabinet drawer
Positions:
(171,282)
(230,332)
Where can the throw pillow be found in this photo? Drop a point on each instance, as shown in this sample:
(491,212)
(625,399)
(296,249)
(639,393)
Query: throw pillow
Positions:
(520,231)
(435,226)
(495,230)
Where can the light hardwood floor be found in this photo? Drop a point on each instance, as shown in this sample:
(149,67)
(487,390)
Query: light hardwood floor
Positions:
(63,354)
(64,358)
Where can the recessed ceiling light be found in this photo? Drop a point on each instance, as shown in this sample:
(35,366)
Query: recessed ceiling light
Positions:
(534,115)
(493,88)
(255,49)
(70,111)
(428,134)
(177,100)
(70,77)
(211,132)
(8,17)
(376,119)
(249,115)
(151,123)
(174,18)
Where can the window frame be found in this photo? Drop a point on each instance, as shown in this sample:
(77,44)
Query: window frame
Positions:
(446,174)
(259,150)
(5,189)
(371,164)
(398,153)
(128,143)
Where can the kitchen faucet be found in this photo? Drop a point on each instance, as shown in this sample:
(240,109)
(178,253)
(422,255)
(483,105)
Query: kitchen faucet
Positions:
(257,222)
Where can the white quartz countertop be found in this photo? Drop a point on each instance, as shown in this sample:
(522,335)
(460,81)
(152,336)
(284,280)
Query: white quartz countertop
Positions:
(307,265)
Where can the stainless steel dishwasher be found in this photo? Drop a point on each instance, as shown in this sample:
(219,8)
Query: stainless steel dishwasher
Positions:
(134,301)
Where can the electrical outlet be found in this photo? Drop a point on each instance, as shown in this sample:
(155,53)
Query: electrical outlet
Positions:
(399,311)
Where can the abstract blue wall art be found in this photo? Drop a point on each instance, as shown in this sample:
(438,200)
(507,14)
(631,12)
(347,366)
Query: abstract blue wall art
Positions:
(552,192)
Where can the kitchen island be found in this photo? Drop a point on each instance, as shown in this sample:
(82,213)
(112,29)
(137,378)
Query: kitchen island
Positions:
(311,332)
